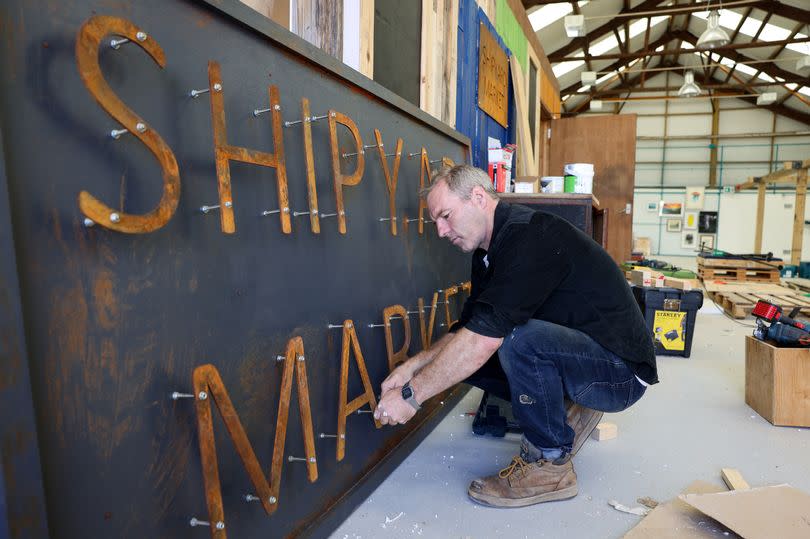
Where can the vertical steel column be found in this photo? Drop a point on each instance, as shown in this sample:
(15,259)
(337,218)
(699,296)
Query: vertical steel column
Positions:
(713,146)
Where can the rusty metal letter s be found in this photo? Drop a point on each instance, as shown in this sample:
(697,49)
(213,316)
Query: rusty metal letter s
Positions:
(87,44)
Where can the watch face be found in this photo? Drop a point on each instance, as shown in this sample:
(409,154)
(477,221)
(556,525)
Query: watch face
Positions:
(407,392)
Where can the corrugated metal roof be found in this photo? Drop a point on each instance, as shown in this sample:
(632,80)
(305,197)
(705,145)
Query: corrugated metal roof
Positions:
(618,45)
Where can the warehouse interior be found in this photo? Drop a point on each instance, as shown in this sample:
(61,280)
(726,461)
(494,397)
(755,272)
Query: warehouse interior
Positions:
(231,246)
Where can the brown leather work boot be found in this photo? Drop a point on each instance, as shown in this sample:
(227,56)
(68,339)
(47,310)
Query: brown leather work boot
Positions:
(582,420)
(522,483)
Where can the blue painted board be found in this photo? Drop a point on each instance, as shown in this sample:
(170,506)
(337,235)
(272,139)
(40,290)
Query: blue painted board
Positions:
(470,119)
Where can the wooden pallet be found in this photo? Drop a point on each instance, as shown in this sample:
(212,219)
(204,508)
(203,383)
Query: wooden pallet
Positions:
(736,263)
(739,274)
(736,269)
(740,304)
(797,283)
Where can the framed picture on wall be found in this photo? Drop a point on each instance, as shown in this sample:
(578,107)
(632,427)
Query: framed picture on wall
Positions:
(670,209)
(673,225)
(707,222)
(706,242)
(694,198)
(690,220)
(688,239)
(652,207)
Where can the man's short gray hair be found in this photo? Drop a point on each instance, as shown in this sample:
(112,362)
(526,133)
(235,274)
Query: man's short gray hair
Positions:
(461,179)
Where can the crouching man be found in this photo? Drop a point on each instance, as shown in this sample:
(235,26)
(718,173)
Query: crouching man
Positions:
(550,317)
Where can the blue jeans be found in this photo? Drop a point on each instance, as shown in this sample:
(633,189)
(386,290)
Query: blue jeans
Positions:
(543,363)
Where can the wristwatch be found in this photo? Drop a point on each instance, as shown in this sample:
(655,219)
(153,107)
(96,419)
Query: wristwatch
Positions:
(407,395)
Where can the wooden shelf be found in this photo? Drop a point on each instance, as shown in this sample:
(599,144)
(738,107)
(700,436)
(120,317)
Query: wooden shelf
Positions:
(550,196)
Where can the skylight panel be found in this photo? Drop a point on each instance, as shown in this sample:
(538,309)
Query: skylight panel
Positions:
(748,70)
(638,27)
(566,67)
(799,47)
(551,13)
(548,14)
(804,90)
(601,47)
(603,78)
(744,68)
(771,32)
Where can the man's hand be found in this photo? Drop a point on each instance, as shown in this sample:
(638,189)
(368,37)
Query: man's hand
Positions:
(398,378)
(392,408)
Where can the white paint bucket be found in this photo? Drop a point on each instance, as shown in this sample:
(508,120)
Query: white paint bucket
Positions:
(552,184)
(584,174)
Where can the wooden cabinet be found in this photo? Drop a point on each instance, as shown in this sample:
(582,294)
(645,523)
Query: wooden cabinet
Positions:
(582,211)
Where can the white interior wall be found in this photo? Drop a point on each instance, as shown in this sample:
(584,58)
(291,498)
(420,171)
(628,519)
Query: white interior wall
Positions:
(739,159)
(736,221)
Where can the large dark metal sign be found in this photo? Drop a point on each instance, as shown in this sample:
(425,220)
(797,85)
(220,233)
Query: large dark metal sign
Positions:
(221,254)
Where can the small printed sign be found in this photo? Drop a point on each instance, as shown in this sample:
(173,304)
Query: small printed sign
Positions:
(669,330)
(493,77)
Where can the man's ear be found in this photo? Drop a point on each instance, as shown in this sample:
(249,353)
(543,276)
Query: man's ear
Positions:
(479,196)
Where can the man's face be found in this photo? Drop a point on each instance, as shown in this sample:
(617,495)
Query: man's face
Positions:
(463,222)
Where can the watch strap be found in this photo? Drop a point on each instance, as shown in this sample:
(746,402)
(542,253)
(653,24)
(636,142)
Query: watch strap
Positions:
(408,396)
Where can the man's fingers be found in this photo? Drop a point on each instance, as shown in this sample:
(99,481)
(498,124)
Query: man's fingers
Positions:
(380,414)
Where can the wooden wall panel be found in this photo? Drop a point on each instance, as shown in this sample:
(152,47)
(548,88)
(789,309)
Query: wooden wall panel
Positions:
(609,142)
(277,11)
(549,96)
(470,119)
(438,66)
(367,38)
(321,23)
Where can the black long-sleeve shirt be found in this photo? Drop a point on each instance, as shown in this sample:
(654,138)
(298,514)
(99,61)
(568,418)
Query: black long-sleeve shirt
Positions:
(540,266)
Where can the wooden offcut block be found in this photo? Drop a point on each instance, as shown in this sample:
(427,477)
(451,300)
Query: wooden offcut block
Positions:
(527,184)
(605,431)
(734,479)
(641,278)
(680,284)
(777,382)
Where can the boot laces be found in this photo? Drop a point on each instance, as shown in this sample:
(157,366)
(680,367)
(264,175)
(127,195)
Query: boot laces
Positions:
(517,464)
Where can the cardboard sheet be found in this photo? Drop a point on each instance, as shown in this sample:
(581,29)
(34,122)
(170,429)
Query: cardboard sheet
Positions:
(758,513)
(676,519)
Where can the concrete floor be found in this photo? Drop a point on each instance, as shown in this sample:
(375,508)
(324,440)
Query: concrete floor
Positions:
(687,427)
